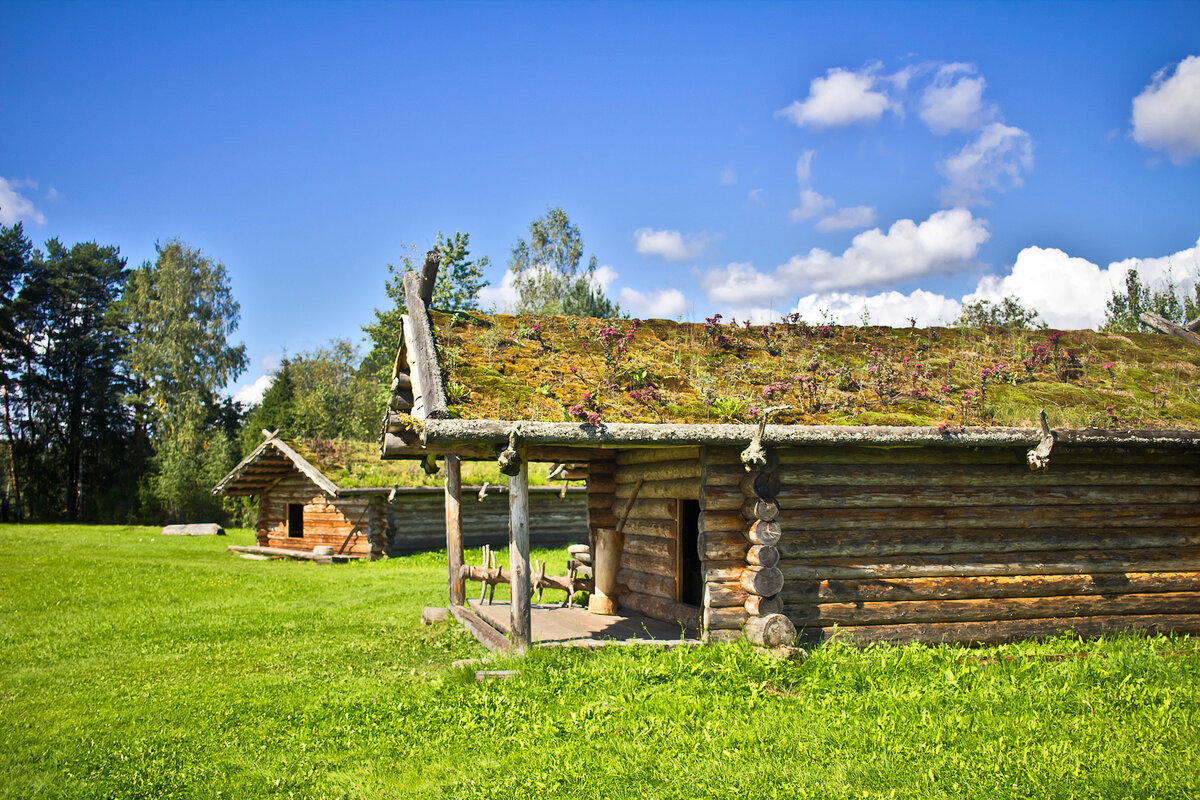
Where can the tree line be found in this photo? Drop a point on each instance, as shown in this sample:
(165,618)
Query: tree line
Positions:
(111,377)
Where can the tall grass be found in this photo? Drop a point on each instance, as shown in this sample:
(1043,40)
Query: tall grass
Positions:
(133,665)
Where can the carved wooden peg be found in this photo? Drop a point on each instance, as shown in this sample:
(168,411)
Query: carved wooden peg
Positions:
(1039,457)
(509,460)
(755,457)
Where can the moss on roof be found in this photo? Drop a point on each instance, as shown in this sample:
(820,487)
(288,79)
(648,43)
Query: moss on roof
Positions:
(564,369)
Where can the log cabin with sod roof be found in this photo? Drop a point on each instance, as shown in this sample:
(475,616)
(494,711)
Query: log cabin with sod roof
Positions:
(811,481)
(322,493)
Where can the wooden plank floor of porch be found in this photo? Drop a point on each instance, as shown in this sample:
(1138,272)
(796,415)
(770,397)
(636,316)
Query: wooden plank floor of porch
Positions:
(553,625)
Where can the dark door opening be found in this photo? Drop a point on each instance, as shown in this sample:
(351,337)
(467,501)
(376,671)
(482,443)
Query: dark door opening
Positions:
(295,521)
(691,576)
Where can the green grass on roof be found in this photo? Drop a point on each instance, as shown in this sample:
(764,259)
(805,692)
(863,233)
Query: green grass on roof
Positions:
(570,369)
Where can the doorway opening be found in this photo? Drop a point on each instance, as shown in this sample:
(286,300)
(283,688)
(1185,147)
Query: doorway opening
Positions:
(690,583)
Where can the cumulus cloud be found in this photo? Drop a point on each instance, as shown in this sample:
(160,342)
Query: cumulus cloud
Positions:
(812,203)
(252,394)
(842,97)
(804,167)
(847,219)
(1166,115)
(603,277)
(995,159)
(669,245)
(953,100)
(947,242)
(662,304)
(15,207)
(501,298)
(1069,292)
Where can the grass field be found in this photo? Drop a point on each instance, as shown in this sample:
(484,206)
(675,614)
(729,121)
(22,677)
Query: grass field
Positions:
(133,665)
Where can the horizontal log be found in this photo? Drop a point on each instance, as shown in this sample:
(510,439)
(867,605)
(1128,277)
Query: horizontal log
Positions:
(722,521)
(683,489)
(1064,454)
(720,475)
(825,614)
(763,555)
(721,498)
(599,500)
(1093,516)
(602,484)
(763,532)
(653,508)
(724,570)
(772,630)
(601,518)
(643,455)
(1041,562)
(659,471)
(722,546)
(762,606)
(643,583)
(724,595)
(865,591)
(762,581)
(800,477)
(874,495)
(662,609)
(725,618)
(599,466)
(646,527)
(1005,631)
(651,565)
(722,637)
(761,485)
(883,544)
(655,546)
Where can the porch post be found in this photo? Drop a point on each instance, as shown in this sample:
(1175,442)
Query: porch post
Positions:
(518,556)
(454,541)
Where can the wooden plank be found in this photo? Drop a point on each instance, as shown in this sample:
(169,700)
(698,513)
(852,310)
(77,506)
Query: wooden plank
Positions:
(1042,562)
(1164,325)
(874,495)
(659,471)
(998,632)
(979,587)
(454,540)
(807,477)
(645,455)
(682,489)
(485,634)
(644,583)
(662,608)
(433,395)
(796,546)
(996,608)
(520,629)
(1091,516)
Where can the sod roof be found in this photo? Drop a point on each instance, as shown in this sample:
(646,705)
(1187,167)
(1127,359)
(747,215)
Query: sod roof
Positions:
(505,367)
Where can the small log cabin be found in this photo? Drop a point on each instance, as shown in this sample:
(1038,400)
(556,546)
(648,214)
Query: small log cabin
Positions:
(301,507)
(905,489)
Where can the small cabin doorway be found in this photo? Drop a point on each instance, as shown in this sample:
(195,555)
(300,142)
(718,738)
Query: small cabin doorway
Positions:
(689,587)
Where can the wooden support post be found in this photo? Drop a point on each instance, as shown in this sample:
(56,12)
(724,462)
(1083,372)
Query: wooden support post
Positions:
(454,539)
(518,556)
(429,272)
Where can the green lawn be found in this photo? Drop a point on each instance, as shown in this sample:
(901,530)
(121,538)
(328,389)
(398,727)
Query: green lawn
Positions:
(133,665)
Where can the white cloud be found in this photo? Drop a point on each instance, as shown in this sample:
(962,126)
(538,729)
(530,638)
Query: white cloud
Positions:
(1166,115)
(662,304)
(669,245)
(953,100)
(252,394)
(503,298)
(15,207)
(848,218)
(840,98)
(1072,292)
(947,242)
(994,160)
(804,167)
(603,277)
(727,177)
(756,196)
(1069,292)
(811,204)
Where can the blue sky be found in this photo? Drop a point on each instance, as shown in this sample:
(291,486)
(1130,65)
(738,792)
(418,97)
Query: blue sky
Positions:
(750,159)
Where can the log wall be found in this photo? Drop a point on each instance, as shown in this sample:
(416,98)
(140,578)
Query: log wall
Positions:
(650,560)
(327,520)
(420,518)
(932,545)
